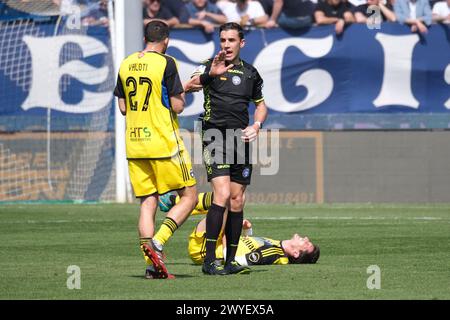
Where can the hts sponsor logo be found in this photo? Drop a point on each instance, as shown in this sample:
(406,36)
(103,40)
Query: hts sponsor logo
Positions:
(139,132)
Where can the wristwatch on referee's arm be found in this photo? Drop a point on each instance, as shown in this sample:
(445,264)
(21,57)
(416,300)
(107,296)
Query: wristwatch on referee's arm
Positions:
(259,123)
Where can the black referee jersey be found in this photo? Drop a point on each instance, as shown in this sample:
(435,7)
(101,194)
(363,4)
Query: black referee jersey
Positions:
(227,97)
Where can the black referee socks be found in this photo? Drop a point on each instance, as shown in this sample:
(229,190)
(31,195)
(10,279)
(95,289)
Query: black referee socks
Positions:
(233,231)
(214,220)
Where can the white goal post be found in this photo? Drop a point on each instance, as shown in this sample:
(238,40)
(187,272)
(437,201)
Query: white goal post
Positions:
(127,37)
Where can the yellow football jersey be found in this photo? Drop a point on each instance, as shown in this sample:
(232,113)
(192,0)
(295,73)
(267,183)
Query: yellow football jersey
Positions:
(260,251)
(251,250)
(147,83)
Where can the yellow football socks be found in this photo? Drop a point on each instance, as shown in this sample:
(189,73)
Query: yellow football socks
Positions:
(204,202)
(168,227)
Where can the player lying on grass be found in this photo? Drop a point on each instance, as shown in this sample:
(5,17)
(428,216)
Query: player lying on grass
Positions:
(252,250)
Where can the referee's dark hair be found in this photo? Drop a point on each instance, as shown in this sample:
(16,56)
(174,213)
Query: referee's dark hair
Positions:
(156,31)
(232,26)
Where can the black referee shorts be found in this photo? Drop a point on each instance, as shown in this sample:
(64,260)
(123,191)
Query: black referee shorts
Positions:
(225,154)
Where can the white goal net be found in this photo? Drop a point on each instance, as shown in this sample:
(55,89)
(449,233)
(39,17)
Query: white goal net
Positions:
(56,112)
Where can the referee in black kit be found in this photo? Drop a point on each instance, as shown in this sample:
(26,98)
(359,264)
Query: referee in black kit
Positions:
(229,85)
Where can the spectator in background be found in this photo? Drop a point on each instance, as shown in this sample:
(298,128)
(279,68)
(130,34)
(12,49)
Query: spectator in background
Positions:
(441,12)
(363,14)
(245,12)
(292,14)
(97,14)
(433,2)
(416,13)
(178,9)
(357,3)
(154,11)
(337,12)
(267,6)
(205,14)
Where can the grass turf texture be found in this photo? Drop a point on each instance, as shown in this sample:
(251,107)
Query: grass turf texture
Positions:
(410,244)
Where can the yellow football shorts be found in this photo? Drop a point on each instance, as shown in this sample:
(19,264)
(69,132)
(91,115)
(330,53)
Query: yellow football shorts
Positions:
(161,175)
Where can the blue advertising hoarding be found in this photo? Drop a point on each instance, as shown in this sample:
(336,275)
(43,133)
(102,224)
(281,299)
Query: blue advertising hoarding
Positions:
(387,78)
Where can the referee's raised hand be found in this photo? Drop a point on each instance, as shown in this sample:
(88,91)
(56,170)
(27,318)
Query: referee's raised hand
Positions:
(218,65)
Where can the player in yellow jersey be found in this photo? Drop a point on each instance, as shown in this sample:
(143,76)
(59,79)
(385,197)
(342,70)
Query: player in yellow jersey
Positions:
(150,96)
(252,250)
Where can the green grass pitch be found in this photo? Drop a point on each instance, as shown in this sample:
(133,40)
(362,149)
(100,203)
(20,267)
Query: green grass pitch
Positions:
(409,243)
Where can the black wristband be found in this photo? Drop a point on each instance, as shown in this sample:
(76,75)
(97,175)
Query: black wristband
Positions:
(205,79)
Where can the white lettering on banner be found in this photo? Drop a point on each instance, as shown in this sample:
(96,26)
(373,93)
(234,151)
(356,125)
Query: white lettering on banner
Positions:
(447,79)
(197,53)
(396,87)
(316,94)
(47,73)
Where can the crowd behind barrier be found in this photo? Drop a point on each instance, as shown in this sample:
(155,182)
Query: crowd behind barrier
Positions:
(289,14)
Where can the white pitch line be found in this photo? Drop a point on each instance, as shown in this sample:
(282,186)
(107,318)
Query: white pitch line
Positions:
(347,218)
(251,218)
(53,221)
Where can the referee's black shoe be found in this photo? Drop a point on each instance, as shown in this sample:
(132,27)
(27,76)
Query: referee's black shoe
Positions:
(234,267)
(214,268)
